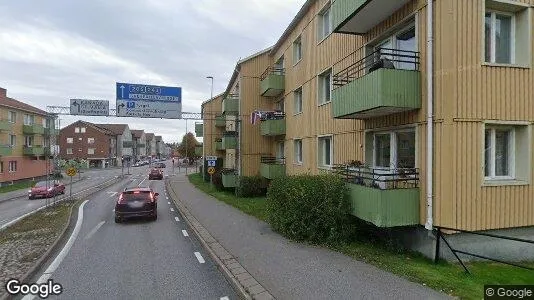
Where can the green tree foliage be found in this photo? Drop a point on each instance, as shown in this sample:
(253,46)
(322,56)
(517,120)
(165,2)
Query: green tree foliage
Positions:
(188,145)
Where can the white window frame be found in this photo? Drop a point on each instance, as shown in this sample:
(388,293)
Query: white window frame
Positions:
(492,36)
(89,152)
(29,120)
(12,140)
(70,140)
(82,130)
(321,157)
(76,129)
(297,50)
(90,140)
(280,149)
(298,153)
(69,151)
(511,151)
(28,141)
(321,88)
(297,100)
(12,166)
(393,159)
(12,116)
(322,34)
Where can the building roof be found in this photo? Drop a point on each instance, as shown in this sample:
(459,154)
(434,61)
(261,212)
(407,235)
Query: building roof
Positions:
(302,12)
(137,133)
(214,97)
(117,129)
(149,136)
(87,124)
(238,67)
(12,103)
(159,138)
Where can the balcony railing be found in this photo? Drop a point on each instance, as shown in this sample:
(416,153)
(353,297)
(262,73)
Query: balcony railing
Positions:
(199,129)
(385,58)
(218,144)
(379,178)
(229,178)
(230,104)
(6,150)
(220,121)
(272,82)
(272,71)
(34,150)
(5,125)
(272,167)
(273,123)
(33,129)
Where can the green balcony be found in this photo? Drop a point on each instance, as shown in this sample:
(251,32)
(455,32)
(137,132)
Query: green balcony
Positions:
(230,105)
(273,127)
(33,129)
(219,146)
(360,16)
(199,129)
(229,142)
(127,144)
(385,207)
(220,121)
(272,82)
(6,150)
(229,179)
(140,145)
(379,93)
(198,150)
(5,125)
(272,170)
(34,151)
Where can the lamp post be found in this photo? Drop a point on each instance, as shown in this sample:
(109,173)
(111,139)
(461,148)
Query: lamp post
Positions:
(204,133)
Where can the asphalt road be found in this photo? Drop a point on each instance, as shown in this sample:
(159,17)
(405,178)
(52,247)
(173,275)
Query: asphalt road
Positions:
(138,259)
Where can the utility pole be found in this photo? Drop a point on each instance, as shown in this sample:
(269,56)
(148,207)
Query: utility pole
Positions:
(204,134)
(186,157)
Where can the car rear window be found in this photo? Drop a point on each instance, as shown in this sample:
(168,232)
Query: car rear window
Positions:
(136,196)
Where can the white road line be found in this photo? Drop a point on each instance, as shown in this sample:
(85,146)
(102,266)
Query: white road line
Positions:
(172,209)
(225,298)
(59,258)
(92,232)
(176,218)
(113,210)
(184,232)
(112,194)
(167,198)
(168,202)
(141,182)
(200,258)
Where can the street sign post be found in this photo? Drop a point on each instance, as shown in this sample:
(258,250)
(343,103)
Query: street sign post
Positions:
(212,162)
(211,171)
(86,107)
(148,101)
(71,172)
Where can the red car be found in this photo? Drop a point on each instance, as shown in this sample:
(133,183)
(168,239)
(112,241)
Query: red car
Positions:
(136,202)
(155,174)
(44,189)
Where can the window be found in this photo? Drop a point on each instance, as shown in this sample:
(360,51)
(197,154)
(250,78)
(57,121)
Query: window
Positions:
(70,140)
(12,116)
(1,167)
(297,94)
(13,166)
(91,151)
(325,151)
(325,87)
(45,124)
(69,150)
(280,105)
(28,141)
(29,119)
(82,130)
(499,37)
(280,150)
(12,140)
(399,48)
(391,149)
(77,130)
(506,153)
(297,50)
(298,151)
(324,27)
(90,140)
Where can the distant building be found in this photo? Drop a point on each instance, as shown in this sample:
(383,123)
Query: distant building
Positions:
(139,144)
(123,140)
(150,145)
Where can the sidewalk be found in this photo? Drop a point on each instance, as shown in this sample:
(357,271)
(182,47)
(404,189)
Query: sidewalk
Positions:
(291,270)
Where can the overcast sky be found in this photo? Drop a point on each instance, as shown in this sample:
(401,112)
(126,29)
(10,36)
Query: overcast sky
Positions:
(51,51)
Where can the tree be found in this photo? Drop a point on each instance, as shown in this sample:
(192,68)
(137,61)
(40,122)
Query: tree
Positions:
(191,142)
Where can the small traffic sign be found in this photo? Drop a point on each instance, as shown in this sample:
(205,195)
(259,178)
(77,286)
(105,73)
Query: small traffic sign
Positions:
(211,170)
(209,158)
(211,163)
(71,171)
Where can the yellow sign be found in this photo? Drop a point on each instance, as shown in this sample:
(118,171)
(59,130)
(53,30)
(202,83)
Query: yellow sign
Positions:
(71,171)
(211,170)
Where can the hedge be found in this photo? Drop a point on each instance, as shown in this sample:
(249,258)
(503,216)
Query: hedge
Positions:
(311,208)
(252,186)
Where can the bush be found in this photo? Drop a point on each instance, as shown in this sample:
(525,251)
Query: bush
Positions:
(311,208)
(252,186)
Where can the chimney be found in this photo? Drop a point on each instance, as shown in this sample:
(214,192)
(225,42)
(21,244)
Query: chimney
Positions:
(3,93)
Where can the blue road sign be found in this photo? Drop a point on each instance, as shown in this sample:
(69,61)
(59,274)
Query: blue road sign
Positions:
(211,163)
(143,92)
(130,104)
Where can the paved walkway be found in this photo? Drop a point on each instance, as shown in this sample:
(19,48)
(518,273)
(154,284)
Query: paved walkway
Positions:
(291,270)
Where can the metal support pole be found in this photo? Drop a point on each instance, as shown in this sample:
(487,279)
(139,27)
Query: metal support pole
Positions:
(186,157)
(438,238)
(70,197)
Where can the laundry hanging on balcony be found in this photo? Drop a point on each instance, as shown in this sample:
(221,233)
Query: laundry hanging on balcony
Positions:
(266,115)
(254,117)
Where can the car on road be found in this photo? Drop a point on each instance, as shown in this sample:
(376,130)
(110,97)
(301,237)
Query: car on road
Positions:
(159,165)
(136,202)
(44,189)
(155,174)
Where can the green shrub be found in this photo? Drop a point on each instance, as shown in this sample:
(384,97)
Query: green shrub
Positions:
(252,186)
(311,208)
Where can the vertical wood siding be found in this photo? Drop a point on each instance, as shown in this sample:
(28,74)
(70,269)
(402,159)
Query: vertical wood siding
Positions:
(211,133)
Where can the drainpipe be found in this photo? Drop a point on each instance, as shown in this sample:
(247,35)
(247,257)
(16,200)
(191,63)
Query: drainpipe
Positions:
(429,121)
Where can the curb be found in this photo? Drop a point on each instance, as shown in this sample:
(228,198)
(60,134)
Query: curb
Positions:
(242,281)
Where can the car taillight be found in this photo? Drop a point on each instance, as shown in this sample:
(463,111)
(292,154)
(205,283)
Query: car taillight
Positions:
(151,197)
(121,200)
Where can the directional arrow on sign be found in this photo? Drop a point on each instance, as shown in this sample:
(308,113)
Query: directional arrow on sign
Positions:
(119,107)
(122,91)
(77,105)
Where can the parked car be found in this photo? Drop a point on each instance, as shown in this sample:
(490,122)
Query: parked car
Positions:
(155,174)
(44,189)
(159,165)
(136,202)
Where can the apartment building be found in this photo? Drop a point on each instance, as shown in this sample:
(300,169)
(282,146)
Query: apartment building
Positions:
(150,145)
(84,140)
(139,144)
(159,146)
(27,136)
(430,116)
(124,141)
(212,127)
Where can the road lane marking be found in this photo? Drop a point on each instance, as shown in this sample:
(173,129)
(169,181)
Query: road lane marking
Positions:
(167,198)
(59,258)
(141,182)
(225,298)
(112,194)
(184,232)
(92,232)
(169,202)
(176,218)
(172,209)
(200,258)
